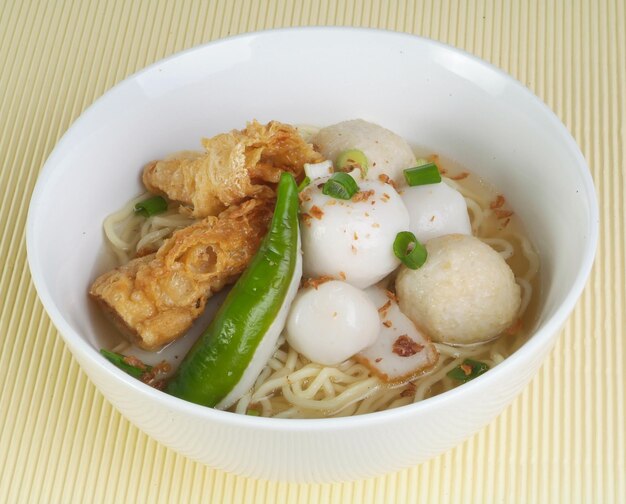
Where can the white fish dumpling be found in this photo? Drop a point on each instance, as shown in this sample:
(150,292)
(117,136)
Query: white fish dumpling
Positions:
(351,240)
(436,210)
(331,322)
(387,153)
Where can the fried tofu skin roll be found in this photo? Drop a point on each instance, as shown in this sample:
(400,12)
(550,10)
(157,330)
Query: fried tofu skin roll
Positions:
(153,300)
(235,166)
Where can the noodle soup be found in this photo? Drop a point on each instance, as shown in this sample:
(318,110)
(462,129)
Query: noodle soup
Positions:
(290,385)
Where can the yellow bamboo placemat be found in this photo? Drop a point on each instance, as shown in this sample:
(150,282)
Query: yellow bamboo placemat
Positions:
(563,440)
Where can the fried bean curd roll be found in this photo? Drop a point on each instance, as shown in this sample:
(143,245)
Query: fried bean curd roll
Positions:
(153,300)
(235,166)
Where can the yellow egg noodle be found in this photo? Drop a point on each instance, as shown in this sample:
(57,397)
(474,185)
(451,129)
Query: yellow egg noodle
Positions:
(129,233)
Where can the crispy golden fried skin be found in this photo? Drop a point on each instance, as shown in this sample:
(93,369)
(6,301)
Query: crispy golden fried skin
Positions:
(154,299)
(236,166)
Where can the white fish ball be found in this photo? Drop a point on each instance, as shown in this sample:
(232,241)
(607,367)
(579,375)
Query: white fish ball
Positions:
(332,322)
(387,153)
(436,210)
(351,239)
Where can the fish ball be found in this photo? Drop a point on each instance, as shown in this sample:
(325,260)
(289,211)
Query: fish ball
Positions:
(436,210)
(386,152)
(465,292)
(331,322)
(351,239)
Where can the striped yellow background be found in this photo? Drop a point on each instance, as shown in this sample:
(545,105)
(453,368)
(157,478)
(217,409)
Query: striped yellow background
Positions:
(563,440)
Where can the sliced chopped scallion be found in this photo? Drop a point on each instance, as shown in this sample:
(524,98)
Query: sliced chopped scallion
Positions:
(422,175)
(303,185)
(467,371)
(253,412)
(409,250)
(151,206)
(121,361)
(351,159)
(340,186)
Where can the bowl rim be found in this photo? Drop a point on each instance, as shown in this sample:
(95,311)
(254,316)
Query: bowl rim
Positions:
(544,336)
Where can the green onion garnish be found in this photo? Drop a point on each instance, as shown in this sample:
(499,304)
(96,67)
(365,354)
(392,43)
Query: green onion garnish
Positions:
(305,182)
(253,412)
(351,159)
(120,361)
(422,175)
(410,251)
(340,186)
(151,206)
(467,371)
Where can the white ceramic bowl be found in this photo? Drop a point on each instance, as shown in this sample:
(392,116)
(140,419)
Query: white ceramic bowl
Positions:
(433,95)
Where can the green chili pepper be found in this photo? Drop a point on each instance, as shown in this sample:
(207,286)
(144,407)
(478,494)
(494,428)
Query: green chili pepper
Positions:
(248,323)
